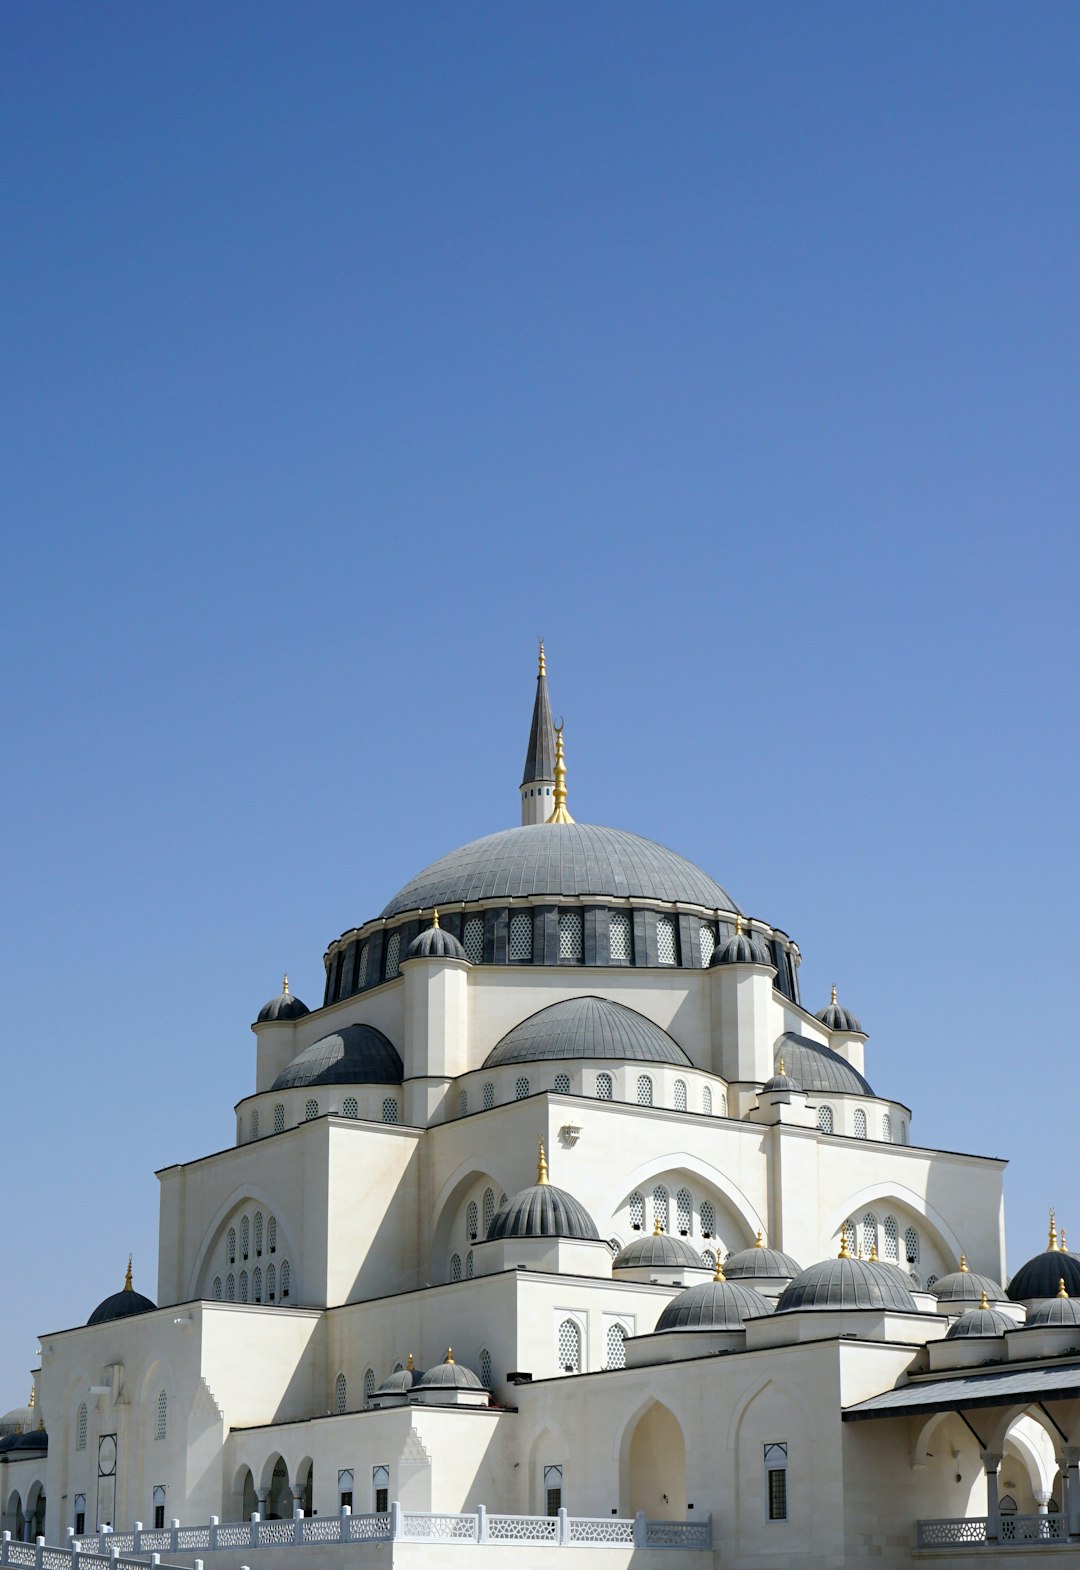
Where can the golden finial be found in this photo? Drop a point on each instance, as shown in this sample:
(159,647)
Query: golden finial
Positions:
(285,984)
(872,1256)
(834,993)
(782,1070)
(738,926)
(435,917)
(127,1278)
(963,1264)
(543,663)
(983,1300)
(845,1252)
(560,814)
(1061,1292)
(449,1358)
(759,1241)
(1052,1245)
(1064,1250)
(409,1363)
(719,1276)
(541,1165)
(657,1229)
(41,1425)
(30,1403)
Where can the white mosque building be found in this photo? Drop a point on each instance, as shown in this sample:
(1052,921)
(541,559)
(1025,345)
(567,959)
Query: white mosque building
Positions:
(562,1210)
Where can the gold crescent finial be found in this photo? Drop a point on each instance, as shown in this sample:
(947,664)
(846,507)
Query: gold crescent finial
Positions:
(1064,1250)
(845,1252)
(560,814)
(759,1241)
(657,1229)
(983,1301)
(435,916)
(738,926)
(1061,1292)
(541,1165)
(781,1068)
(30,1403)
(542,671)
(1052,1245)
(719,1276)
(127,1278)
(285,984)
(963,1263)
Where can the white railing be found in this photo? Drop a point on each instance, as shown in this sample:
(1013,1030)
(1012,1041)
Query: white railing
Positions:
(974,1531)
(1033,1529)
(38,1556)
(395,1525)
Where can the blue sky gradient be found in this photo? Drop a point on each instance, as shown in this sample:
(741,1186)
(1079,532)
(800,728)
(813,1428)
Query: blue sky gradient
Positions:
(349,347)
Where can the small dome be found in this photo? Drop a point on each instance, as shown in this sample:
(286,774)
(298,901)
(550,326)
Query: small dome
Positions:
(17,1421)
(284,1006)
(1060,1310)
(122,1304)
(981,1321)
(742,948)
(834,1016)
(542,1210)
(1039,1277)
(848,1283)
(966,1286)
(587,1027)
(401,1381)
(817,1067)
(760,1262)
(781,1080)
(435,943)
(658,1252)
(353,1055)
(449,1375)
(713,1305)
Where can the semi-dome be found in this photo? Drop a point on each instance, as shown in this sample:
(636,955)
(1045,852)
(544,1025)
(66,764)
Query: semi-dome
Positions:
(818,1068)
(542,1210)
(834,1016)
(353,1055)
(587,1027)
(561,860)
(1039,1277)
(847,1283)
(435,943)
(760,1263)
(449,1375)
(1059,1311)
(659,1251)
(742,948)
(122,1304)
(713,1305)
(980,1321)
(284,1006)
(966,1286)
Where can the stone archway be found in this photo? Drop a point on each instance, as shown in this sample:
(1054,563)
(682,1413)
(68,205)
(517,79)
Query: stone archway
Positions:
(13,1516)
(654,1468)
(305,1485)
(279,1498)
(245,1501)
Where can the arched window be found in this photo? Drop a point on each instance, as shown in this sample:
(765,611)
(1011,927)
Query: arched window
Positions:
(605,1087)
(680,1095)
(80,1428)
(616,1346)
(860,1123)
(570,942)
(362,972)
(869,1233)
(637,1212)
(390,1109)
(521,1089)
(489,1209)
(930,1280)
(341,1395)
(665,941)
(562,1084)
(911,1246)
(311,1110)
(708,1218)
(706,1101)
(485,1368)
(620,940)
(230,1246)
(472,940)
(489,1096)
(271,1283)
(254,1122)
(243,1286)
(570,1347)
(286,1280)
(217,1289)
(350,1107)
(271,1234)
(469,1265)
(162,1415)
(245,1238)
(369,1383)
(903,1132)
(660,1205)
(723,1103)
(890,1240)
(886,1128)
(849,1233)
(708,1258)
(644,1091)
(684,1210)
(462,1103)
(279,1118)
(706,943)
(393,956)
(472,1220)
(256,1285)
(258,1234)
(521,936)
(825,1121)
(1007,1505)
(455,1267)
(776,1491)
(230,1288)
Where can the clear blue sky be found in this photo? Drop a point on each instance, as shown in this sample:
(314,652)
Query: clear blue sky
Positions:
(348,347)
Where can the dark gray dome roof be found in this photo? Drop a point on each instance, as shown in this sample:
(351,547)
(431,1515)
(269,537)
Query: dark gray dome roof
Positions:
(435,943)
(353,1055)
(449,1375)
(762,1262)
(1040,1276)
(847,1283)
(1061,1311)
(980,1322)
(966,1286)
(781,1082)
(542,1210)
(713,1305)
(400,1382)
(32,1439)
(587,1027)
(742,948)
(834,1016)
(560,860)
(659,1251)
(284,1006)
(817,1067)
(121,1305)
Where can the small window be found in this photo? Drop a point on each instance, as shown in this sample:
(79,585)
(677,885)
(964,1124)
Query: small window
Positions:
(683,1212)
(390,1110)
(562,1084)
(903,1132)
(886,1128)
(521,936)
(256,1285)
(869,1233)
(258,1234)
(80,1428)
(350,1107)
(463,1103)
(850,1235)
(245,1238)
(485,1368)
(930,1281)
(911,1246)
(706,1101)
(159,1507)
(825,1120)
(570,938)
(271,1234)
(469,1265)
(345,1487)
(776,1460)
(230,1288)
(244,1286)
(570,1347)
(286,1279)
(860,1123)
(489,1209)
(455,1267)
(279,1118)
(621,938)
(162,1415)
(616,1346)
(708,1218)
(365,959)
(680,1095)
(644,1091)
(255,1123)
(230,1246)
(271,1283)
(637,1212)
(604,1087)
(489,1096)
(723,1103)
(665,941)
(473,940)
(706,943)
(217,1289)
(660,1206)
(890,1240)
(708,1258)
(80,1514)
(380,1489)
(472,1220)
(369,1383)
(553,1490)
(311,1110)
(341,1401)
(393,956)
(521,1089)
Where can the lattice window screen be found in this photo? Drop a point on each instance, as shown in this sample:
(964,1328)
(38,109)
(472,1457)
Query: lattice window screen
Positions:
(455,1267)
(365,957)
(665,940)
(393,956)
(390,1109)
(570,1347)
(911,1246)
(271,1283)
(279,1119)
(489,1209)
(680,1095)
(706,1101)
(472,1219)
(230,1288)
(644,1091)
(660,1205)
(469,1265)
(217,1289)
(473,940)
(256,1285)
(258,1232)
(604,1087)
(521,1089)
(80,1441)
(869,1232)
(825,1119)
(255,1123)
(369,1383)
(849,1233)
(462,1103)
(230,1247)
(562,1084)
(162,1415)
(243,1286)
(890,1233)
(271,1234)
(489,1096)
(350,1107)
(570,935)
(707,943)
(637,1211)
(521,936)
(311,1110)
(708,1258)
(341,1395)
(245,1238)
(708,1218)
(286,1279)
(621,947)
(683,1211)
(886,1128)
(616,1346)
(860,1123)
(485,1368)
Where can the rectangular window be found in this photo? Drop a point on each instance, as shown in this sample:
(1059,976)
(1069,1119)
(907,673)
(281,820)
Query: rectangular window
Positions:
(553,1480)
(776,1460)
(380,1488)
(159,1517)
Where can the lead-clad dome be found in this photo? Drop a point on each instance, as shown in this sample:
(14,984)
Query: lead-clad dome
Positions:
(353,1055)
(122,1304)
(542,1210)
(760,1262)
(587,1027)
(284,1006)
(834,1016)
(1057,1312)
(1040,1276)
(713,1305)
(563,860)
(449,1375)
(817,1067)
(980,1322)
(658,1251)
(435,943)
(966,1286)
(847,1283)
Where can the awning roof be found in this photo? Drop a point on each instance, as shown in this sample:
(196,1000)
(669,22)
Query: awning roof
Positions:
(1004,1387)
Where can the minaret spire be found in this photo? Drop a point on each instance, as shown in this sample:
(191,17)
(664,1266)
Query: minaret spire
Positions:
(538,781)
(560,814)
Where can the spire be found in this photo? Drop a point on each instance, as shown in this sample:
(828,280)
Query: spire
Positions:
(719,1276)
(834,994)
(538,780)
(759,1241)
(1061,1292)
(1052,1243)
(435,917)
(657,1230)
(541,1165)
(449,1358)
(560,815)
(409,1363)
(127,1278)
(983,1303)
(872,1256)
(285,984)
(964,1264)
(845,1252)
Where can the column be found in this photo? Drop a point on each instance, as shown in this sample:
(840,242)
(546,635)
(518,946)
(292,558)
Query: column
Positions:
(1070,1468)
(991,1460)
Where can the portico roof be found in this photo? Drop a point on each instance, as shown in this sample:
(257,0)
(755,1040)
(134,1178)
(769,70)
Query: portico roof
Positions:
(1004,1387)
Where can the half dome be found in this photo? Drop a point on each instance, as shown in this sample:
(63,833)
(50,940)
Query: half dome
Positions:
(818,1068)
(713,1305)
(587,1027)
(847,1283)
(353,1055)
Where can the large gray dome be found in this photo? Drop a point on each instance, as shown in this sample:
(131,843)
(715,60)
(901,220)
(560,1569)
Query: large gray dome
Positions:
(587,1027)
(542,1210)
(353,1055)
(563,860)
(818,1068)
(847,1283)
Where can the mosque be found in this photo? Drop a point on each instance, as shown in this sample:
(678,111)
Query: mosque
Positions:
(562,1206)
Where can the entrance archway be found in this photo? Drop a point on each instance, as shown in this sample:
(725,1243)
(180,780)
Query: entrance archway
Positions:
(305,1484)
(655,1465)
(279,1499)
(13,1516)
(35,1513)
(245,1501)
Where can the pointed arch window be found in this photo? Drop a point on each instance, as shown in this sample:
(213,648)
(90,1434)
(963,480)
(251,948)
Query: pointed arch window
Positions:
(341,1395)
(911,1246)
(485,1368)
(256,1285)
(869,1233)
(393,956)
(455,1267)
(849,1233)
(903,1132)
(684,1212)
(708,1218)
(616,1346)
(254,1122)
(279,1118)
(890,1240)
(80,1428)
(271,1234)
(245,1238)
(706,1101)
(463,1103)
(469,1265)
(660,1205)
(605,1087)
(286,1280)
(637,1212)
(162,1415)
(886,1128)
(723,1103)
(644,1091)
(620,939)
(365,960)
(680,1095)
(369,1383)
(472,1220)
(243,1286)
(271,1283)
(570,1347)
(708,1258)
(472,940)
(230,1246)
(825,1121)
(489,1209)
(258,1234)
(217,1289)
(706,942)
(230,1288)
(860,1123)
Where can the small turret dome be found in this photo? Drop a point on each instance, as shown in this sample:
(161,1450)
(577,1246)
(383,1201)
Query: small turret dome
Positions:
(1039,1277)
(834,1016)
(713,1305)
(981,1321)
(781,1080)
(435,943)
(658,1252)
(742,948)
(848,1283)
(122,1304)
(449,1375)
(1058,1311)
(284,1006)
(401,1381)
(542,1210)
(761,1263)
(967,1286)
(353,1055)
